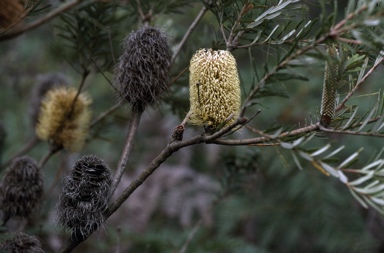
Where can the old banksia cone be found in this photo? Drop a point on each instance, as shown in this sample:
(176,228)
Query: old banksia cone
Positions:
(85,196)
(11,11)
(21,243)
(21,188)
(142,73)
(63,122)
(214,88)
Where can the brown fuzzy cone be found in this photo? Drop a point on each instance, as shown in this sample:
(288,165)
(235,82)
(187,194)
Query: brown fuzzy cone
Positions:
(214,88)
(85,196)
(45,84)
(21,243)
(21,188)
(11,11)
(328,100)
(142,73)
(61,123)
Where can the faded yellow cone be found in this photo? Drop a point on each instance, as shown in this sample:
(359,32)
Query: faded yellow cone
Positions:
(214,88)
(62,123)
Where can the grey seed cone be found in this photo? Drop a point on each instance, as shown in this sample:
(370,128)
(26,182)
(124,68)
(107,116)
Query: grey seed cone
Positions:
(21,188)
(21,243)
(142,74)
(85,196)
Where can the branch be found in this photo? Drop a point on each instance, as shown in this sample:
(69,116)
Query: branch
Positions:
(162,157)
(357,86)
(40,21)
(25,149)
(349,132)
(133,126)
(189,32)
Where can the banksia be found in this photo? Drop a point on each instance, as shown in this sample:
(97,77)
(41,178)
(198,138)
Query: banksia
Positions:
(62,122)
(328,100)
(85,197)
(11,11)
(142,74)
(21,243)
(45,84)
(214,88)
(21,188)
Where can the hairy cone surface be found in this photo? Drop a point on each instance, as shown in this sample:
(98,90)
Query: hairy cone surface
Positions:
(214,88)
(21,188)
(60,122)
(143,70)
(85,196)
(21,243)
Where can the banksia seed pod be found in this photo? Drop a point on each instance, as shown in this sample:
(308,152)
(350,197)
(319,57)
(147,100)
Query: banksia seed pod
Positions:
(10,12)
(21,243)
(45,83)
(328,100)
(85,197)
(142,74)
(21,188)
(214,88)
(62,122)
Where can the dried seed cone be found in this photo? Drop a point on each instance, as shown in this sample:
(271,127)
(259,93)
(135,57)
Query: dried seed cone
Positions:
(142,73)
(45,83)
(21,243)
(10,12)
(214,88)
(328,100)
(85,196)
(21,188)
(62,123)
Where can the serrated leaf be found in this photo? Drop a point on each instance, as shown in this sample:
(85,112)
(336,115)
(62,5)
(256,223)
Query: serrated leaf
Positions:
(329,169)
(334,153)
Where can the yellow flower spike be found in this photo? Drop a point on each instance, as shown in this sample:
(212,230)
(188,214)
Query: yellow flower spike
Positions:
(63,123)
(214,88)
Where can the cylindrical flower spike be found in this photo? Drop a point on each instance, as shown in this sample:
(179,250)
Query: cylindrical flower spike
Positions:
(21,243)
(21,188)
(142,73)
(214,87)
(328,100)
(85,196)
(63,122)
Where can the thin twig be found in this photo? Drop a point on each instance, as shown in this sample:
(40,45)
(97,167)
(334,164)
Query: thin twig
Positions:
(189,32)
(162,157)
(190,236)
(104,114)
(25,149)
(40,21)
(133,126)
(178,76)
(349,132)
(48,155)
(357,86)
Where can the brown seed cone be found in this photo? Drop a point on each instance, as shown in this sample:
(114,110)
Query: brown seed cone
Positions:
(21,188)
(10,12)
(214,88)
(142,74)
(85,196)
(21,243)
